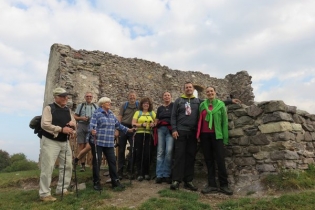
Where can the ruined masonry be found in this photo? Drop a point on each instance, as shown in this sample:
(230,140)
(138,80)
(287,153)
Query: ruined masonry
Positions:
(265,137)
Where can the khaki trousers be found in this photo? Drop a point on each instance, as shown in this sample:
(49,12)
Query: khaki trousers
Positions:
(50,150)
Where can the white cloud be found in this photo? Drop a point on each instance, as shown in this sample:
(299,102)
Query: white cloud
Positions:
(272,40)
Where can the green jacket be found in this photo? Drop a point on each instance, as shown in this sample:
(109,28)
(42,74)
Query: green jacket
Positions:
(217,116)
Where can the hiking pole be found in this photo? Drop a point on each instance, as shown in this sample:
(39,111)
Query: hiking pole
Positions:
(96,159)
(132,153)
(64,167)
(145,129)
(75,174)
(150,146)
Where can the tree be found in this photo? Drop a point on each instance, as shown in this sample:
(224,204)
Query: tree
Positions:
(4,159)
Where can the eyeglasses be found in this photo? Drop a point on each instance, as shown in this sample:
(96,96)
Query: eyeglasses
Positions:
(88,96)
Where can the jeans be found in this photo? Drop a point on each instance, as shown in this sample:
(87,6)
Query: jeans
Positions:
(164,152)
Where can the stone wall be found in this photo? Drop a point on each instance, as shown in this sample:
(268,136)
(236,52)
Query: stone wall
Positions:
(113,76)
(265,138)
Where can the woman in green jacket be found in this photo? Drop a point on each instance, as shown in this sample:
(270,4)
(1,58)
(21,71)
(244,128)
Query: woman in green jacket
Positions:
(213,134)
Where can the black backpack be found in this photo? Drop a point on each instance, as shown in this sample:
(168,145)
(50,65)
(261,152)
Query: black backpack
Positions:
(36,121)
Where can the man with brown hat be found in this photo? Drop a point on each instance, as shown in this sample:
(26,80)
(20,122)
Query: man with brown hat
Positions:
(57,124)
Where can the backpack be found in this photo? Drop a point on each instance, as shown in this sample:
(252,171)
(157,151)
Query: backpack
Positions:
(126,105)
(140,114)
(85,105)
(36,121)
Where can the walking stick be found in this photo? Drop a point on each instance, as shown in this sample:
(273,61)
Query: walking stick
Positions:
(145,129)
(96,157)
(150,147)
(75,174)
(132,153)
(64,168)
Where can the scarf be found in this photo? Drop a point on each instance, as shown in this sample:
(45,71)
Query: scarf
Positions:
(216,104)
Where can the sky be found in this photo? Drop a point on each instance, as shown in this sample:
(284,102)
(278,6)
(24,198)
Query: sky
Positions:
(273,40)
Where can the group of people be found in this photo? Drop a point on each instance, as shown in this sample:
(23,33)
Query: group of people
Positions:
(178,126)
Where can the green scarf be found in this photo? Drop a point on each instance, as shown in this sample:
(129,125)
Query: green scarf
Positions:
(216,104)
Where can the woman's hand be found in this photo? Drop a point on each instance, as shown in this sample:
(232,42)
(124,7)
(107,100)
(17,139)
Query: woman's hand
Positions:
(93,132)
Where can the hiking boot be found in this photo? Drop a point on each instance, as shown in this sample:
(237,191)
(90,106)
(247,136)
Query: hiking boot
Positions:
(117,184)
(140,178)
(208,190)
(48,198)
(82,168)
(174,185)
(158,180)
(226,190)
(190,186)
(97,186)
(168,180)
(147,177)
(120,175)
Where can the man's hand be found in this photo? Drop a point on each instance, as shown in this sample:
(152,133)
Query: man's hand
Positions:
(93,132)
(175,135)
(236,101)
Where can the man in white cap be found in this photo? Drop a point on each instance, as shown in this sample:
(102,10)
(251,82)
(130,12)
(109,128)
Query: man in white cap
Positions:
(57,124)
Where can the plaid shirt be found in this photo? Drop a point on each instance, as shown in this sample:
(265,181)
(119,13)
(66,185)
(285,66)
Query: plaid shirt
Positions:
(105,125)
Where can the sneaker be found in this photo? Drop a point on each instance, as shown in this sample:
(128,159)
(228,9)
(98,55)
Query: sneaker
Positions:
(82,169)
(48,198)
(208,190)
(117,185)
(174,185)
(226,190)
(158,180)
(97,186)
(168,180)
(147,177)
(140,178)
(65,193)
(190,186)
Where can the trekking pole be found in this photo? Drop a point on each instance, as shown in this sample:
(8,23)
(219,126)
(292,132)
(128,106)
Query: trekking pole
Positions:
(96,157)
(75,174)
(64,168)
(132,153)
(150,146)
(145,129)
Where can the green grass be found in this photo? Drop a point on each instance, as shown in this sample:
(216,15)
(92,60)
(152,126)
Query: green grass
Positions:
(175,200)
(296,201)
(291,180)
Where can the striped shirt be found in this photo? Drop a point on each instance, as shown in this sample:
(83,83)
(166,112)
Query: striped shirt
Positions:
(105,124)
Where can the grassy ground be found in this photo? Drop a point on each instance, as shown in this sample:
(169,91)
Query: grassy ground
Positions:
(291,189)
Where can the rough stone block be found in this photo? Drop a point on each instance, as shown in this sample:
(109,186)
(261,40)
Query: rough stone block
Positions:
(236,132)
(243,141)
(284,136)
(274,106)
(308,127)
(234,106)
(244,120)
(265,168)
(260,139)
(308,160)
(291,109)
(250,131)
(299,137)
(302,112)
(245,161)
(240,112)
(298,119)
(254,111)
(276,117)
(290,164)
(261,155)
(311,116)
(284,154)
(253,149)
(308,136)
(296,127)
(237,150)
(275,127)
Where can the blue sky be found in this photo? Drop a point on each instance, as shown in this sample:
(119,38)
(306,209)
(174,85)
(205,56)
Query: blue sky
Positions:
(273,40)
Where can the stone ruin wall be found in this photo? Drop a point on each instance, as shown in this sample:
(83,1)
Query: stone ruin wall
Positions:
(265,137)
